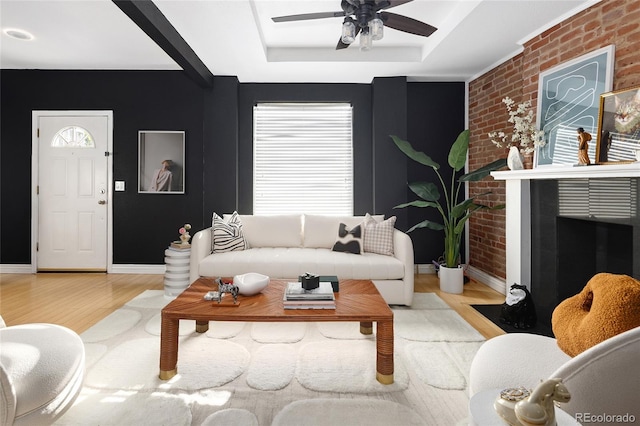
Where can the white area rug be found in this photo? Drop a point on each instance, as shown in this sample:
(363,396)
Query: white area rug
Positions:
(240,373)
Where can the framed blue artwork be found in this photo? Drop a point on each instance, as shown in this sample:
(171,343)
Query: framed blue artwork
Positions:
(569,99)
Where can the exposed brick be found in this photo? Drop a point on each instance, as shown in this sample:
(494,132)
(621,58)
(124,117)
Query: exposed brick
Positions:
(607,22)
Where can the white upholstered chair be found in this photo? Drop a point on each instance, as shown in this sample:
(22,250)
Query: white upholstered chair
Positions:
(41,372)
(602,380)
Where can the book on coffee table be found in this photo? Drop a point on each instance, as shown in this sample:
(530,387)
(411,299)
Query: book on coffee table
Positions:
(296,297)
(294,291)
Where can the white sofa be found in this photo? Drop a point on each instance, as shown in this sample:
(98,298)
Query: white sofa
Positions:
(286,246)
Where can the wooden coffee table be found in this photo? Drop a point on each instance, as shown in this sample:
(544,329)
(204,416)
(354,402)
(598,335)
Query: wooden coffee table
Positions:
(358,300)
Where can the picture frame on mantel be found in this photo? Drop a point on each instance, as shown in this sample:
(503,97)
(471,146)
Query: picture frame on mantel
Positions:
(161,161)
(569,98)
(619,127)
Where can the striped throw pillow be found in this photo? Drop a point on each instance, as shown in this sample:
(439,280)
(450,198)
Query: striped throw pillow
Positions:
(227,236)
(378,236)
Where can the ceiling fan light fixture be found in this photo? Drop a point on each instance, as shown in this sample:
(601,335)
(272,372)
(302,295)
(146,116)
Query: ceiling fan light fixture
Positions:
(377,28)
(348,31)
(365,40)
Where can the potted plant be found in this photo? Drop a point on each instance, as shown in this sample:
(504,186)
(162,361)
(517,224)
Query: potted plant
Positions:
(454,212)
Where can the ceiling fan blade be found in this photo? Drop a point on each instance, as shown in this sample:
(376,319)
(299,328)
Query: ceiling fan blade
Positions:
(308,16)
(406,24)
(392,3)
(342,45)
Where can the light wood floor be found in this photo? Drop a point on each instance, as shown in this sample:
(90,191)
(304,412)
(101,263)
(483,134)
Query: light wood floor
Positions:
(80,300)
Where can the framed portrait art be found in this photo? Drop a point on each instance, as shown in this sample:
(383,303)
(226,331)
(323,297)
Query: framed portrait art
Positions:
(619,127)
(568,99)
(161,167)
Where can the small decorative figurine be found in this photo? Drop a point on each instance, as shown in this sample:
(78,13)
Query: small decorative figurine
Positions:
(518,309)
(227,288)
(583,147)
(539,408)
(184,234)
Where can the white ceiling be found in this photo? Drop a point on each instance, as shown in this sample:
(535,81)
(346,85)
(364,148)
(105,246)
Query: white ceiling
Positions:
(237,37)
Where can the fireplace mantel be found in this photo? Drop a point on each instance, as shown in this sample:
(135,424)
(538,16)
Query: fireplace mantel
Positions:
(518,208)
(571,172)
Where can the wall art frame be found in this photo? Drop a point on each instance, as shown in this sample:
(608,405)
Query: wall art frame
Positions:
(568,98)
(619,127)
(161,161)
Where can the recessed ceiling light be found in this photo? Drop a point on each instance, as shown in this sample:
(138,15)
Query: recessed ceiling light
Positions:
(18,34)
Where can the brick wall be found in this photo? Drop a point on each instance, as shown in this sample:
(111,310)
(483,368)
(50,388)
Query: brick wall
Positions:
(608,22)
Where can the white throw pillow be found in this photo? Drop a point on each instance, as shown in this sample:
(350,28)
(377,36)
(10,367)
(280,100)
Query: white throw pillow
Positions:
(227,235)
(378,236)
(283,230)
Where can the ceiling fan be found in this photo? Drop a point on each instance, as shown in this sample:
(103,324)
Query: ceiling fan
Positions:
(367,18)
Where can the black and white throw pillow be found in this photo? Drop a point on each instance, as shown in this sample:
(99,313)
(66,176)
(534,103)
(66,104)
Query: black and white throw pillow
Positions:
(227,236)
(349,240)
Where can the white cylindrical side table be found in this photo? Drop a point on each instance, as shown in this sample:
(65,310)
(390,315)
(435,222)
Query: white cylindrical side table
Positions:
(176,277)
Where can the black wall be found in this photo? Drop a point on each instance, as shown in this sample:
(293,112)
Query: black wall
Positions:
(436,118)
(218,126)
(160,100)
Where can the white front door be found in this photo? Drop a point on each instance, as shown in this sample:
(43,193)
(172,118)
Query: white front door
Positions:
(73,191)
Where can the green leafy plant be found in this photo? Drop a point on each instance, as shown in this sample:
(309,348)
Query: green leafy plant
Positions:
(454,213)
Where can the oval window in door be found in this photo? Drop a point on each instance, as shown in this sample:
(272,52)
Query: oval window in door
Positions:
(73,137)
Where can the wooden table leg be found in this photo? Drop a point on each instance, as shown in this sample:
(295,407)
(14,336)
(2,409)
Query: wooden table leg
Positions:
(202,326)
(169,348)
(366,327)
(384,358)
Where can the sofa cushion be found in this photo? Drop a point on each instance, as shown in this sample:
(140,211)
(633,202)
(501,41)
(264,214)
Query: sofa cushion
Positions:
(378,236)
(272,231)
(349,240)
(227,234)
(320,230)
(290,262)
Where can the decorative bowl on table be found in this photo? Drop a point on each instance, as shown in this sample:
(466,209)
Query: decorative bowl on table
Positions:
(250,283)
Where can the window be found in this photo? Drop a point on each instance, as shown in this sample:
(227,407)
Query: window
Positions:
(303,158)
(73,137)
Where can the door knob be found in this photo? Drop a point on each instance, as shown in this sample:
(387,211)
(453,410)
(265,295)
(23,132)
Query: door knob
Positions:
(102,202)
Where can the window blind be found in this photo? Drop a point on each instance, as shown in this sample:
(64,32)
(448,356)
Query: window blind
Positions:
(598,198)
(303,158)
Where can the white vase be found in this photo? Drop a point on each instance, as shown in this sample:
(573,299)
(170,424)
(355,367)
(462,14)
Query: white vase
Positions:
(451,279)
(514,159)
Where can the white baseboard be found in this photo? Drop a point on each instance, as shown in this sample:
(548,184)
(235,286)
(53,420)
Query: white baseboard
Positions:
(481,276)
(138,269)
(425,269)
(115,269)
(15,269)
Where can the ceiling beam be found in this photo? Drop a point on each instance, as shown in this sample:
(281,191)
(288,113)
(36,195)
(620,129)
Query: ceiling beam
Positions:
(150,19)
